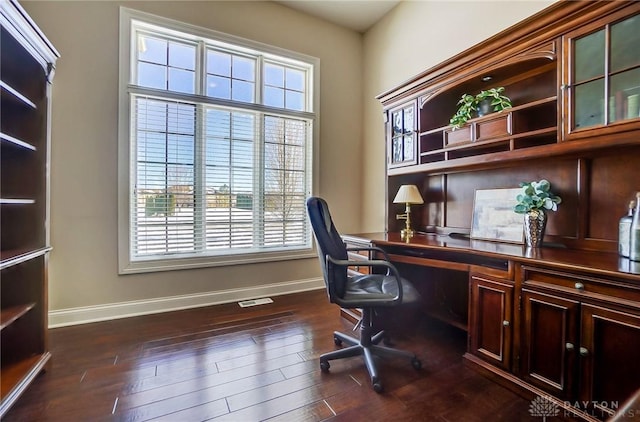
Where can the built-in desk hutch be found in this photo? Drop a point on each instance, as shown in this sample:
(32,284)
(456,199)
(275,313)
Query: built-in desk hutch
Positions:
(26,68)
(562,320)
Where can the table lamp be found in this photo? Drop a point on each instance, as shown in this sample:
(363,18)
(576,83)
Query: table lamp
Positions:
(407,194)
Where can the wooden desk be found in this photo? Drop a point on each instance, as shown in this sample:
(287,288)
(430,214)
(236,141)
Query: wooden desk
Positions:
(435,247)
(550,321)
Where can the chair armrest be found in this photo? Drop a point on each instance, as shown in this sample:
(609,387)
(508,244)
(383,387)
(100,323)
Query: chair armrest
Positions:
(371,249)
(391,271)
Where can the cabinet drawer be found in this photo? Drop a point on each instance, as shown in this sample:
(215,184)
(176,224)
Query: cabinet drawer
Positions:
(491,319)
(458,136)
(493,128)
(597,288)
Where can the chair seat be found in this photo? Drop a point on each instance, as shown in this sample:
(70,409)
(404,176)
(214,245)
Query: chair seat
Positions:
(374,287)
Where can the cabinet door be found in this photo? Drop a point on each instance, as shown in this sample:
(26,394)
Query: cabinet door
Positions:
(401,136)
(609,347)
(549,342)
(603,85)
(490,325)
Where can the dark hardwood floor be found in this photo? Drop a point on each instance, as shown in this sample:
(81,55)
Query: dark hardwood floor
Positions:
(259,363)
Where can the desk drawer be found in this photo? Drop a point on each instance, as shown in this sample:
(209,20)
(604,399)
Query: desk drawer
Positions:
(585,286)
(448,259)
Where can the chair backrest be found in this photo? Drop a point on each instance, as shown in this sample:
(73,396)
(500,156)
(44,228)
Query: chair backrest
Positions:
(330,244)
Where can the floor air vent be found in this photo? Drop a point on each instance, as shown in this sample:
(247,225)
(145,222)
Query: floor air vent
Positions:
(255,302)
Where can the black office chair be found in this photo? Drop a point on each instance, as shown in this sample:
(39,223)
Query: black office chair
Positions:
(369,292)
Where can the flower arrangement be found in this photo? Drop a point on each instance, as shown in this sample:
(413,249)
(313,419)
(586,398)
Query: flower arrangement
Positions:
(536,196)
(469,105)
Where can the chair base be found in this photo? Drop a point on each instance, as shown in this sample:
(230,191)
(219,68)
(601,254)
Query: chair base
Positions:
(367,347)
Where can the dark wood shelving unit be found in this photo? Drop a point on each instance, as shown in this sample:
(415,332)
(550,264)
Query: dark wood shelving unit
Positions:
(9,315)
(10,92)
(27,60)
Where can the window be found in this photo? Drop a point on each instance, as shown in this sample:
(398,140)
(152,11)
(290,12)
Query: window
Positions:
(216,143)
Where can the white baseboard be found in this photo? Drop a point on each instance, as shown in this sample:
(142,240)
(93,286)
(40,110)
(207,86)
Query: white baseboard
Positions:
(83,315)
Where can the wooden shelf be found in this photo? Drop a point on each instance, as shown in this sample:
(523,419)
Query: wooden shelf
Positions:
(16,141)
(16,201)
(503,139)
(17,95)
(448,318)
(546,100)
(11,257)
(17,376)
(521,127)
(9,315)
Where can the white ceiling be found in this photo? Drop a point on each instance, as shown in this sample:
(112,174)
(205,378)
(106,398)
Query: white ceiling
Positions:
(358,15)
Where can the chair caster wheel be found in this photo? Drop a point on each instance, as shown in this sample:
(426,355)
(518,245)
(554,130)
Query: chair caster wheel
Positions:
(415,362)
(337,341)
(377,386)
(324,366)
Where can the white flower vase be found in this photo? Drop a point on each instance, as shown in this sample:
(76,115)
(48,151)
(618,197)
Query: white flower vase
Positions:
(535,222)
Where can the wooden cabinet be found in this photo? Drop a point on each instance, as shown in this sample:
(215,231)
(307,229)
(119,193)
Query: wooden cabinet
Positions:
(602,81)
(402,135)
(580,338)
(26,67)
(572,72)
(560,69)
(491,319)
(609,365)
(549,340)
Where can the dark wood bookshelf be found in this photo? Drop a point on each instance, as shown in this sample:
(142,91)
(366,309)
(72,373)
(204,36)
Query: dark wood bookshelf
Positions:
(26,63)
(9,315)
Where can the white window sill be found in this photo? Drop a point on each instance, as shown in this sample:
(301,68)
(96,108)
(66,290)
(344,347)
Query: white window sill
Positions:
(154,265)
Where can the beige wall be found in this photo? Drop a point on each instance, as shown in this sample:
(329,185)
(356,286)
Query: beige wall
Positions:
(412,38)
(83,266)
(354,69)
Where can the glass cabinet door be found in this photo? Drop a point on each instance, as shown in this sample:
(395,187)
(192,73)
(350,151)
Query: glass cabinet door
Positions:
(402,147)
(604,85)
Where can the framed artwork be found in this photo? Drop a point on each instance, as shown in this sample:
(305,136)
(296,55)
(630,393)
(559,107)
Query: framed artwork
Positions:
(494,218)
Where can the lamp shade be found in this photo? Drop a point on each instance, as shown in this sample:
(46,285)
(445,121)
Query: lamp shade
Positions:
(408,194)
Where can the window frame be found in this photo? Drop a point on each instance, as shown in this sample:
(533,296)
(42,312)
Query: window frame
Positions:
(127,41)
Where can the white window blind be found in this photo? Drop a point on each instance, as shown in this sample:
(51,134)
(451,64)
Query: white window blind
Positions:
(220,146)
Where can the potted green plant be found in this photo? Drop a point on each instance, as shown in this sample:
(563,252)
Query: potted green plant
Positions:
(533,201)
(485,102)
